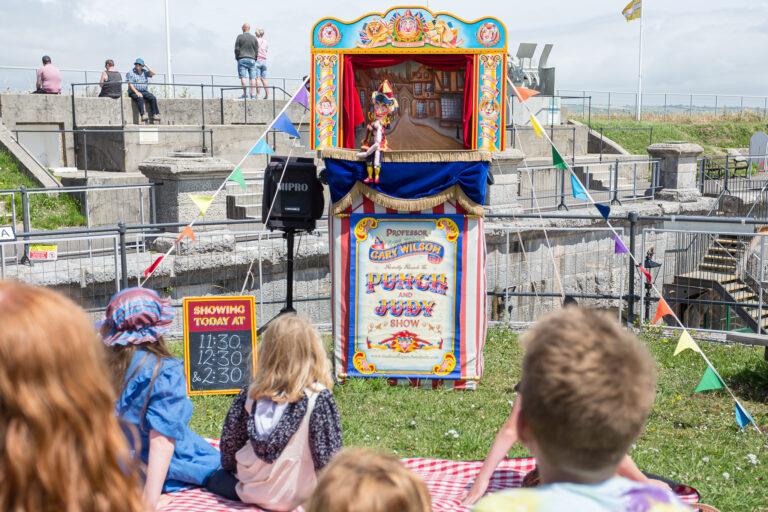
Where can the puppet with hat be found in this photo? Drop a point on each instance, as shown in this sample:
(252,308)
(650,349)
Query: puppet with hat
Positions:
(384,105)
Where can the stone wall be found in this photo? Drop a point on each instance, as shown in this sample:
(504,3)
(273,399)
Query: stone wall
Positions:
(28,111)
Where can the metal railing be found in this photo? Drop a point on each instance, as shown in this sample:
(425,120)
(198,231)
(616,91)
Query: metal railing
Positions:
(615,103)
(741,180)
(617,182)
(202,100)
(81,147)
(23,78)
(713,279)
(129,203)
(94,262)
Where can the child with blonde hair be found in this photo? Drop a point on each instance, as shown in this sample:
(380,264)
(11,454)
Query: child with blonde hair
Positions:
(284,427)
(61,447)
(588,386)
(152,394)
(361,480)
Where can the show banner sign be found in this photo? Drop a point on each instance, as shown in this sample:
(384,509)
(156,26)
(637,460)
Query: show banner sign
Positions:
(219,343)
(405,292)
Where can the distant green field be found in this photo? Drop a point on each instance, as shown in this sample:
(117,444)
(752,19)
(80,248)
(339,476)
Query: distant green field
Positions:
(689,437)
(52,211)
(714,133)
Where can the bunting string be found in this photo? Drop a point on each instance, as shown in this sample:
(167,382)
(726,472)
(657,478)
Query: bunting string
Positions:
(529,174)
(269,215)
(281,123)
(745,418)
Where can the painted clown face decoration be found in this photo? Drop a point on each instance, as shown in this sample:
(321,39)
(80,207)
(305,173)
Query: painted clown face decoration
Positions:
(489,109)
(326,107)
(488,34)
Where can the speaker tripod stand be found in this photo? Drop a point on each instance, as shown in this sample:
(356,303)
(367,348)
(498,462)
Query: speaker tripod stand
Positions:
(289,234)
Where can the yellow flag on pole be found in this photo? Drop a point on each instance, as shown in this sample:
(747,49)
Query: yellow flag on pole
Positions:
(537,129)
(685,343)
(202,201)
(633,10)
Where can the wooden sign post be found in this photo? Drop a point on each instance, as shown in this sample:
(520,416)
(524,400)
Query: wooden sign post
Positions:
(219,344)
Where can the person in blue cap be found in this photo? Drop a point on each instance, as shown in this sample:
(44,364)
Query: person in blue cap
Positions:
(138,90)
(152,395)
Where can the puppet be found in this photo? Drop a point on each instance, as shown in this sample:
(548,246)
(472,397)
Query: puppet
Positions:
(384,105)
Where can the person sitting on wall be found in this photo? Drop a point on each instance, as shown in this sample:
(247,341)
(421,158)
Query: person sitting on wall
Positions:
(110,81)
(138,90)
(48,78)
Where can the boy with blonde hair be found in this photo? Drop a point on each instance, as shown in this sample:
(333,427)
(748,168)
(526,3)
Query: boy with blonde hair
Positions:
(587,387)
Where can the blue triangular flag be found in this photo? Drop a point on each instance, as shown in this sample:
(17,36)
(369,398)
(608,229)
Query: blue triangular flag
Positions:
(605,210)
(283,124)
(742,417)
(578,190)
(261,148)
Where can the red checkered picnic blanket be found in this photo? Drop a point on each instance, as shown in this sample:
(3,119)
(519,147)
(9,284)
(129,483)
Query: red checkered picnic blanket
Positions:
(447,480)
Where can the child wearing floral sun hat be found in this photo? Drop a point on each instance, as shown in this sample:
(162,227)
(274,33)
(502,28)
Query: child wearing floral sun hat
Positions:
(151,391)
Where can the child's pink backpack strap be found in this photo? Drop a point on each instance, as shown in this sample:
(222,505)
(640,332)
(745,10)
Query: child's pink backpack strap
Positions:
(288,481)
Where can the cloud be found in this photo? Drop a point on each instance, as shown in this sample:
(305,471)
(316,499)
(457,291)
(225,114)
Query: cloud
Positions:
(690,45)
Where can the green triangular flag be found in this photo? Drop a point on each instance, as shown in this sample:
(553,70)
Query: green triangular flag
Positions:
(709,381)
(557,160)
(237,177)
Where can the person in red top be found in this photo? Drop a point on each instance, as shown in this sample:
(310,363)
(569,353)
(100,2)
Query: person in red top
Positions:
(48,78)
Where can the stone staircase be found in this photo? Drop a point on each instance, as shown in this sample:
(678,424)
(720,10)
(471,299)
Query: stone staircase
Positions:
(245,204)
(719,270)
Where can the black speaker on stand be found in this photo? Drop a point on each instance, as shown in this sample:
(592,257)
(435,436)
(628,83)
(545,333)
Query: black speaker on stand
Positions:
(291,201)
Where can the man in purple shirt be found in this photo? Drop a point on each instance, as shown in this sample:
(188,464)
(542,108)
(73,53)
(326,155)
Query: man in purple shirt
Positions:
(48,78)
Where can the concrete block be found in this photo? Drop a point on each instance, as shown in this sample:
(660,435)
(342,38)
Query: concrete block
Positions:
(178,176)
(678,169)
(205,242)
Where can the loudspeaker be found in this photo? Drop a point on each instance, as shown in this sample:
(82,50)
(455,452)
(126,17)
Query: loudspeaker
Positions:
(299,200)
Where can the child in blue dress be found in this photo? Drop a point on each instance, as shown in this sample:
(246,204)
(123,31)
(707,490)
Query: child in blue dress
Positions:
(151,391)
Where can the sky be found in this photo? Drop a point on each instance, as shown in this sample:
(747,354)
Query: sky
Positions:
(700,46)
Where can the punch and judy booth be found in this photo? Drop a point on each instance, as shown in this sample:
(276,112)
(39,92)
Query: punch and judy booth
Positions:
(422,94)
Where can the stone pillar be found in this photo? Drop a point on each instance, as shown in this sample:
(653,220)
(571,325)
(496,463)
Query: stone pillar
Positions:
(176,177)
(678,170)
(502,197)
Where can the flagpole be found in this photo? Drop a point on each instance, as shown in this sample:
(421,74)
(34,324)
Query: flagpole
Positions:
(169,71)
(639,110)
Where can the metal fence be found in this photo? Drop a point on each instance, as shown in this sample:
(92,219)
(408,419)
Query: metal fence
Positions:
(76,206)
(739,182)
(23,78)
(623,104)
(712,279)
(530,266)
(614,182)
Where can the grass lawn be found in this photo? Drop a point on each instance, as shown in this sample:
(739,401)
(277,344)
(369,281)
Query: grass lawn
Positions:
(48,211)
(690,437)
(714,133)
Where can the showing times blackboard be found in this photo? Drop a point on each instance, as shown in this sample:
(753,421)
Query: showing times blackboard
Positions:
(219,344)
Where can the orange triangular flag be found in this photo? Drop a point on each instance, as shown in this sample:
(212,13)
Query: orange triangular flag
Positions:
(523,93)
(186,233)
(662,310)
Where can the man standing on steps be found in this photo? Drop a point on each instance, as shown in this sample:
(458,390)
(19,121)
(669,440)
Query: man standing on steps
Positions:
(246,51)
(138,90)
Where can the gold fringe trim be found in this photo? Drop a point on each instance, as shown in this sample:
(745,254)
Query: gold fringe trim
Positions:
(412,156)
(408,205)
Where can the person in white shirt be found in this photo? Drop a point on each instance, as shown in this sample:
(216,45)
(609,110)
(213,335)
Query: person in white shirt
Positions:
(261,62)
